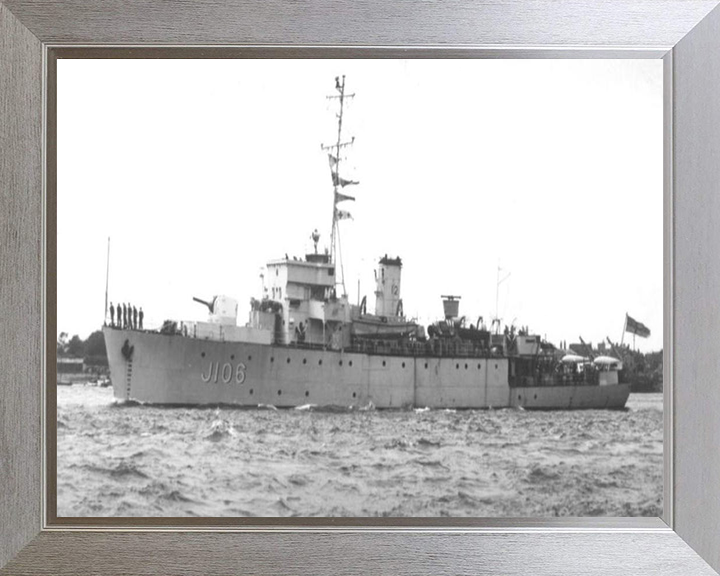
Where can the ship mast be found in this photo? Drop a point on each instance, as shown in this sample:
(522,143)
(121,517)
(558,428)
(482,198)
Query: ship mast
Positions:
(496,320)
(338,182)
(107,281)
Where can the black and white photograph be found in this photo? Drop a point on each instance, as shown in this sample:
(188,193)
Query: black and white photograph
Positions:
(359,288)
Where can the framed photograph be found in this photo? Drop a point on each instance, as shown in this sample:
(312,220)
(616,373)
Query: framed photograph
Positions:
(39,536)
(267,360)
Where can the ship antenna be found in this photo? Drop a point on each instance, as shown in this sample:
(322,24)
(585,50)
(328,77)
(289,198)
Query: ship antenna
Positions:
(338,182)
(497,296)
(315,236)
(107,280)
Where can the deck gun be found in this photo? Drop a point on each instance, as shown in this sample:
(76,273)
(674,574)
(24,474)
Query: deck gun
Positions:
(210,305)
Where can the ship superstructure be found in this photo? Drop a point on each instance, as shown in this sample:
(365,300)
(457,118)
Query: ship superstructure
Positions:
(304,343)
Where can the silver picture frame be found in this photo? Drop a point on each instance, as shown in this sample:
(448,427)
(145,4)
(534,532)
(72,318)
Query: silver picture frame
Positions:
(684,33)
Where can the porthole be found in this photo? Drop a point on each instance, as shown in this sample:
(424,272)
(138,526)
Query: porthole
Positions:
(307,393)
(383,362)
(354,395)
(519,397)
(272,359)
(340,363)
(403,364)
(495,366)
(202,354)
(288,360)
(304,360)
(425,364)
(457,366)
(249,357)
(320,362)
(479,365)
(465,366)
(350,363)
(279,392)
(251,391)
(535,397)
(232,356)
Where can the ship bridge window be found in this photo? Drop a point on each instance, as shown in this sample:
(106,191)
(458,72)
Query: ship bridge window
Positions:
(331,271)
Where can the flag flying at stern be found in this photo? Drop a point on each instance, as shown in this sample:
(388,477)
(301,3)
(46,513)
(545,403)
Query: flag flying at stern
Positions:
(635,327)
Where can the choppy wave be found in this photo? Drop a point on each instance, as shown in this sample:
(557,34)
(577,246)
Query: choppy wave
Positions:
(152,461)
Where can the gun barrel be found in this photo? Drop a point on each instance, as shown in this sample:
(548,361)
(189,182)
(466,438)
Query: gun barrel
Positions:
(208,304)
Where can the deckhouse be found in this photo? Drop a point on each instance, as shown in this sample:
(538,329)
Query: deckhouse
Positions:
(304,293)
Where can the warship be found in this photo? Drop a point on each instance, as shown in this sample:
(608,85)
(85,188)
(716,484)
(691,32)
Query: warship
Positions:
(305,344)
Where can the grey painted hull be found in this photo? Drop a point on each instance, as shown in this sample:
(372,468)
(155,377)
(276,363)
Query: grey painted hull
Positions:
(173,369)
(571,397)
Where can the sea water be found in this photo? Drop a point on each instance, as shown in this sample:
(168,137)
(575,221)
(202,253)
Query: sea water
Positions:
(115,459)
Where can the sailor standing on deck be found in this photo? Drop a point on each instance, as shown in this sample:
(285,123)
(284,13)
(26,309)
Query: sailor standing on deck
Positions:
(124,318)
(141,315)
(112,315)
(134,318)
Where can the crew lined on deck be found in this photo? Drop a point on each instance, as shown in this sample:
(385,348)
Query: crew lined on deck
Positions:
(128,316)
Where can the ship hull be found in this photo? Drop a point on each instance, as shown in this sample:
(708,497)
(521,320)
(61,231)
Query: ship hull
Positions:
(155,368)
(612,396)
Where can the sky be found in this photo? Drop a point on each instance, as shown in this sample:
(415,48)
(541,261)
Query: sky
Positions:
(201,171)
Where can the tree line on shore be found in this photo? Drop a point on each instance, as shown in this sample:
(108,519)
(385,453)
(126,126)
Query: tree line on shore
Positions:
(91,350)
(644,371)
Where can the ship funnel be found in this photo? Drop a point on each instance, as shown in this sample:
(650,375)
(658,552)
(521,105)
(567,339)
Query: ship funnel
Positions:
(387,287)
(451,306)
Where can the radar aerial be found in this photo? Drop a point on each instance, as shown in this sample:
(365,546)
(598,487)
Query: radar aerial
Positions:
(315,238)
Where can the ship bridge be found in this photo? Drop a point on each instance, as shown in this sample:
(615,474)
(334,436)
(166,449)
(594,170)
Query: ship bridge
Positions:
(311,312)
(298,279)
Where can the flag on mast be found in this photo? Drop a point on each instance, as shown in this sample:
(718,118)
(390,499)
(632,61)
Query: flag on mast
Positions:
(342,197)
(338,181)
(635,327)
